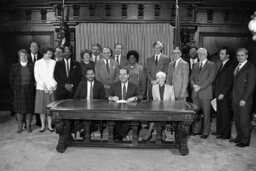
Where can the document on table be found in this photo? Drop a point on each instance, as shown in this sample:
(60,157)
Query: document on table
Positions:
(214,104)
(121,101)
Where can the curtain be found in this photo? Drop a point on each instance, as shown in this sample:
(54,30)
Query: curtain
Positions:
(139,37)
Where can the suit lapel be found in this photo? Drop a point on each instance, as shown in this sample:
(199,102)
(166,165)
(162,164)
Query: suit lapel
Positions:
(158,92)
(243,68)
(104,66)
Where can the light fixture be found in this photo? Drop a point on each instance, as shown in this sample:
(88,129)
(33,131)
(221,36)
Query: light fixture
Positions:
(252,25)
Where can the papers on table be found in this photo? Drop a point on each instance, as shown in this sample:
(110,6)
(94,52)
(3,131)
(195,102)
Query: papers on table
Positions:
(214,104)
(121,101)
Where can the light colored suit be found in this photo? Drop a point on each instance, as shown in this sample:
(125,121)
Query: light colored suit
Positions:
(202,98)
(168,93)
(179,77)
(123,61)
(105,77)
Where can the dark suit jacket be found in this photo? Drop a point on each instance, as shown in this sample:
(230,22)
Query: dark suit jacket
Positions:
(224,80)
(123,61)
(61,77)
(98,90)
(244,84)
(152,68)
(132,90)
(204,79)
(39,56)
(15,76)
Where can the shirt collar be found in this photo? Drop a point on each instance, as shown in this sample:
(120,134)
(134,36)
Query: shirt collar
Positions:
(89,82)
(126,85)
(177,61)
(203,62)
(224,62)
(193,60)
(242,64)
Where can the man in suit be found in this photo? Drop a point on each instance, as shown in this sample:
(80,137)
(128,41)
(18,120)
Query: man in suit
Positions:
(223,88)
(34,52)
(157,62)
(90,88)
(96,50)
(123,90)
(118,56)
(201,79)
(178,76)
(242,98)
(106,69)
(32,58)
(67,74)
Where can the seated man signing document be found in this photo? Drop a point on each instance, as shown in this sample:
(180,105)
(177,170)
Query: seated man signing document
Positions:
(123,90)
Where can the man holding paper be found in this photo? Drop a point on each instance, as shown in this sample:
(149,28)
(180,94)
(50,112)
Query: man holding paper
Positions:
(126,91)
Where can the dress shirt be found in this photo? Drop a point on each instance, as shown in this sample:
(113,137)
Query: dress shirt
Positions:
(117,59)
(33,57)
(203,62)
(242,64)
(95,58)
(67,65)
(176,62)
(89,89)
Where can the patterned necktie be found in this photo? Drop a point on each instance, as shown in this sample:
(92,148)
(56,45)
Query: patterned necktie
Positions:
(91,91)
(237,69)
(200,66)
(107,65)
(124,92)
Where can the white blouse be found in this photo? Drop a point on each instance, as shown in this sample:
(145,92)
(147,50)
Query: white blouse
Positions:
(43,72)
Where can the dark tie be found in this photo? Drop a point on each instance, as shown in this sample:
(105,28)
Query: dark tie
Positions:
(200,66)
(67,67)
(91,91)
(156,60)
(117,60)
(107,66)
(124,93)
(237,69)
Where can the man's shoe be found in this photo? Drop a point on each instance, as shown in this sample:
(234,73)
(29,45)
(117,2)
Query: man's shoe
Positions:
(204,136)
(219,137)
(242,145)
(233,141)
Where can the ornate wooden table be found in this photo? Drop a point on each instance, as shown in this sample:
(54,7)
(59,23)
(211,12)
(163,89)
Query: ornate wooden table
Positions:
(72,115)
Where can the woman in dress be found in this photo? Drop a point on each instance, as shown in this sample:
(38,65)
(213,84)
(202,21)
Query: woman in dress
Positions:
(160,92)
(22,84)
(86,63)
(136,72)
(45,85)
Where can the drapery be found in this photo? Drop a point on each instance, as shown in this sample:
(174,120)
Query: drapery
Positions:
(133,36)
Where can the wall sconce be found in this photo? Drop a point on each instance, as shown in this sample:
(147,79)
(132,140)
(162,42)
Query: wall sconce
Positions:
(252,26)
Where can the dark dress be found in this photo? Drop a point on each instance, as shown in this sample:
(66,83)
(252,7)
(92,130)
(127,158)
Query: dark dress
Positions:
(22,84)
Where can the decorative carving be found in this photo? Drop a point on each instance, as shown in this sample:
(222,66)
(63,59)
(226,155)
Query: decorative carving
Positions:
(124,10)
(182,137)
(140,11)
(76,10)
(43,14)
(209,16)
(63,129)
(28,14)
(91,10)
(157,10)
(107,10)
(58,9)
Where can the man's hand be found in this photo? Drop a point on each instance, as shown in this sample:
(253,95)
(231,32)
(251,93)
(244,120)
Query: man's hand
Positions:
(132,99)
(242,103)
(69,87)
(46,90)
(220,97)
(196,88)
(113,98)
(153,82)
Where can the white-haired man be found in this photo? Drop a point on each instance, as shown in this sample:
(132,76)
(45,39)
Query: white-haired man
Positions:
(201,79)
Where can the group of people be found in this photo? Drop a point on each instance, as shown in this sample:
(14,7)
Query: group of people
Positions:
(111,75)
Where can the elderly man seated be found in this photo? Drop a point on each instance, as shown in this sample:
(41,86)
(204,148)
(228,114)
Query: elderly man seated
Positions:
(160,92)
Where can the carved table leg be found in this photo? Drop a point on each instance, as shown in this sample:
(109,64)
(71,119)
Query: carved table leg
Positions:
(183,131)
(159,129)
(135,127)
(62,128)
(87,131)
(111,125)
